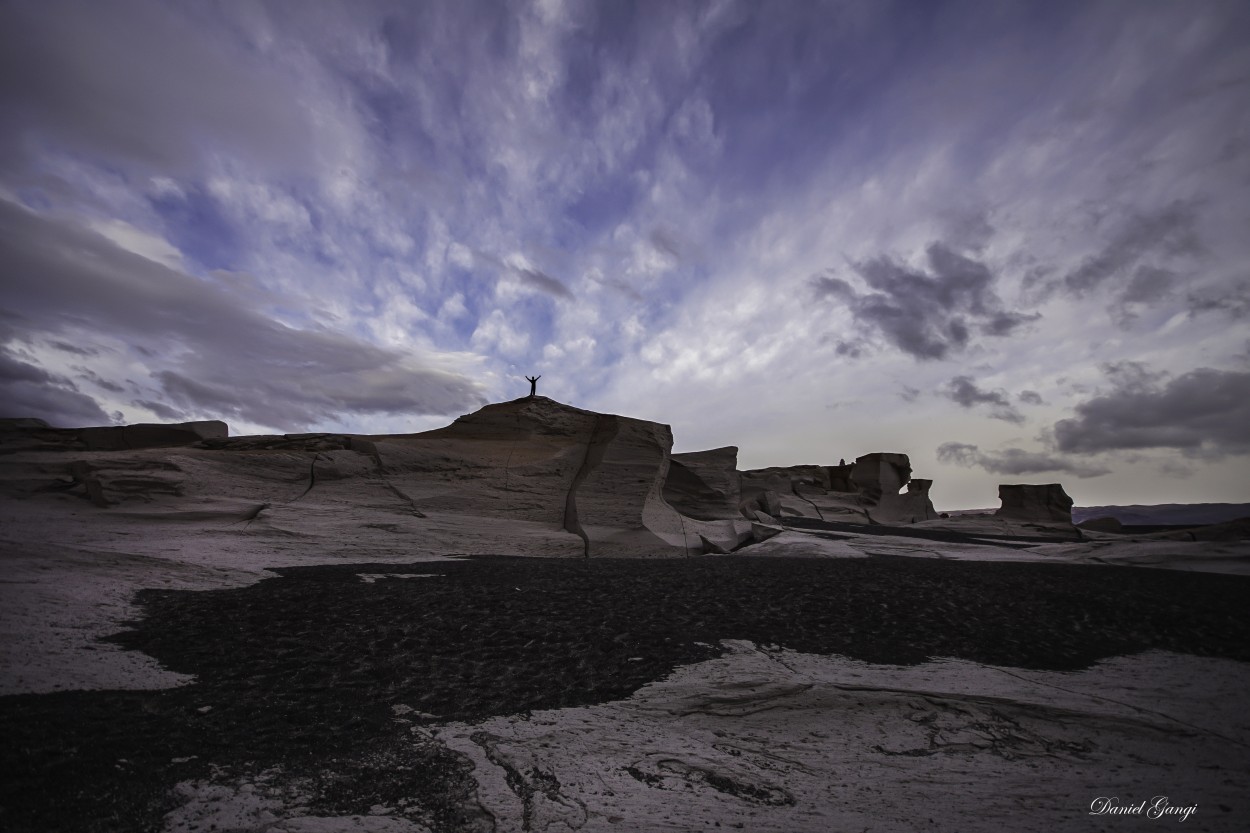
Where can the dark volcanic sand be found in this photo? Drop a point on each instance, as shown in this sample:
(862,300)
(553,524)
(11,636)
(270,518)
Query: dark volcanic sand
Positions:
(303,670)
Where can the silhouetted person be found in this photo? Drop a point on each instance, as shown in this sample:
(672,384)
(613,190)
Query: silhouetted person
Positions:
(533,380)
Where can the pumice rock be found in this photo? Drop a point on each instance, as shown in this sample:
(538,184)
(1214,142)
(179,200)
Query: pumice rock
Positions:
(1035,502)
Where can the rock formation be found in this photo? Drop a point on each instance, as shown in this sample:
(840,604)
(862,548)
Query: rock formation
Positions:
(881,473)
(866,491)
(880,476)
(36,434)
(704,484)
(598,476)
(1046,502)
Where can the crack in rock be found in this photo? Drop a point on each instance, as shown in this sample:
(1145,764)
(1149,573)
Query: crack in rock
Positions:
(542,802)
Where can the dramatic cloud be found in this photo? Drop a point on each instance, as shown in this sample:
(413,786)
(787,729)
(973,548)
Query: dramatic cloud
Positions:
(26,390)
(1015,461)
(1170,232)
(373,216)
(207,352)
(963,391)
(1203,412)
(926,314)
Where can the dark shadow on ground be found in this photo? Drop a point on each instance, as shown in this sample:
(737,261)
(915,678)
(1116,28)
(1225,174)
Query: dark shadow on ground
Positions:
(303,670)
(1015,542)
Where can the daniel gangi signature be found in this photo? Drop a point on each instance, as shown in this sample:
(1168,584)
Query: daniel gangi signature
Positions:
(1156,808)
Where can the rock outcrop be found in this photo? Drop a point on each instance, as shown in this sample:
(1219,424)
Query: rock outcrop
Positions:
(704,484)
(35,434)
(597,476)
(1046,502)
(866,491)
(880,476)
(880,473)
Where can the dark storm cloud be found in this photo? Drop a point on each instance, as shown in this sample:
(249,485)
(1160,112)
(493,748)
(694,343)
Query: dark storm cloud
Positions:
(30,391)
(1168,232)
(1204,412)
(138,81)
(963,391)
(1014,461)
(213,356)
(926,314)
(1031,397)
(543,282)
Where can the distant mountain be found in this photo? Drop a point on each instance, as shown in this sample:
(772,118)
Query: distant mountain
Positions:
(1170,514)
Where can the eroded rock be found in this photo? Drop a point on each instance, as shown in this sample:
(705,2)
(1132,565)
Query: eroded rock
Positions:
(1046,502)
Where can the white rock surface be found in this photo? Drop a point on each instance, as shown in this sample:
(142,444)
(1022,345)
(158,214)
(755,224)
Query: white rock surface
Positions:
(768,740)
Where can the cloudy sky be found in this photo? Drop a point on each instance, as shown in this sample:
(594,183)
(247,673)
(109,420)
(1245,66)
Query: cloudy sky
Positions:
(1011,239)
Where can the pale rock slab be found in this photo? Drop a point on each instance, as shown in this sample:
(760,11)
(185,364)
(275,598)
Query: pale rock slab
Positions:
(774,740)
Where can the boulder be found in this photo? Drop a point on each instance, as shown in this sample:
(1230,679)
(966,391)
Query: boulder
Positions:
(767,501)
(704,484)
(763,531)
(1046,502)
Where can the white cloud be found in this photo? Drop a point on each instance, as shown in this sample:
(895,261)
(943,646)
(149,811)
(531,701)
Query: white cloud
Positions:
(143,243)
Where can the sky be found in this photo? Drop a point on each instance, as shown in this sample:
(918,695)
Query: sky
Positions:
(1009,239)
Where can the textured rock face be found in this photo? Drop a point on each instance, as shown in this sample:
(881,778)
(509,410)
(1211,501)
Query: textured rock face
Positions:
(1046,502)
(597,476)
(704,484)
